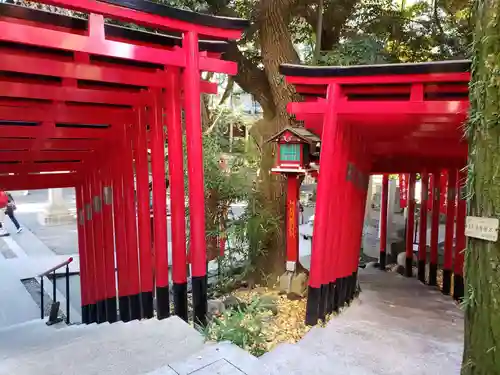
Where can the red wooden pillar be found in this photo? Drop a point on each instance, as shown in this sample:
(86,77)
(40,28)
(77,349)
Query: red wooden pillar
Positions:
(383,221)
(324,207)
(131,225)
(330,264)
(410,225)
(333,286)
(343,210)
(90,252)
(99,260)
(108,244)
(422,238)
(461,242)
(195,177)
(85,280)
(436,196)
(120,239)
(292,238)
(177,205)
(361,196)
(450,229)
(143,219)
(160,242)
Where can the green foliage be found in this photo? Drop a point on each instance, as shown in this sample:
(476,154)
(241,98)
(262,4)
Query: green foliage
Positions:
(242,327)
(357,51)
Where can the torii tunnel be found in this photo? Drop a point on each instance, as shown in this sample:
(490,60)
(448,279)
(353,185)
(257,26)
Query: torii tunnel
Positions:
(382,119)
(84,99)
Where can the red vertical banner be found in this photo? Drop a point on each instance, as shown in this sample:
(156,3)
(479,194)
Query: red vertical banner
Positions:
(403,189)
(443,201)
(430,192)
(292,238)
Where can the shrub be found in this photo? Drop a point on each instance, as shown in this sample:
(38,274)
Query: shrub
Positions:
(241,326)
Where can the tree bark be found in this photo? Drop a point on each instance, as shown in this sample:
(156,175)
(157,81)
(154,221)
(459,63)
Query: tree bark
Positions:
(482,258)
(277,48)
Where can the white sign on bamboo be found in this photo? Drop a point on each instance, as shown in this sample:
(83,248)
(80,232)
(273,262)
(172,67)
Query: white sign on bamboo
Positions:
(484,228)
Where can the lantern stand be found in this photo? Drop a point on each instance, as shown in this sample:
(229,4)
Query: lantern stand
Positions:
(297,150)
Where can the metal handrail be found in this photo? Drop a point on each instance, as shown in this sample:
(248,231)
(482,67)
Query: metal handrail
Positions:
(55,268)
(54,290)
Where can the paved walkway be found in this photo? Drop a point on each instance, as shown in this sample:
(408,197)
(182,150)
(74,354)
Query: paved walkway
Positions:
(27,254)
(16,304)
(398,326)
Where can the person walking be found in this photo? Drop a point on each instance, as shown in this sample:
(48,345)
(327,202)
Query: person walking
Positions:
(4,201)
(9,210)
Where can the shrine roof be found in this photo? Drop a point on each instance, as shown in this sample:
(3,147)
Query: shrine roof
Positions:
(113,31)
(301,133)
(451,66)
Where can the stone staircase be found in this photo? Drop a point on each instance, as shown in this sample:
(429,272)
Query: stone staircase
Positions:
(152,347)
(397,326)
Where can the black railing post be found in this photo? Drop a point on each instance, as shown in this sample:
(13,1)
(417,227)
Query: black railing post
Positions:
(55,305)
(54,287)
(67,294)
(42,310)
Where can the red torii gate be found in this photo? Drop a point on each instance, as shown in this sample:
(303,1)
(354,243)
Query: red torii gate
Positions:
(379,119)
(85,100)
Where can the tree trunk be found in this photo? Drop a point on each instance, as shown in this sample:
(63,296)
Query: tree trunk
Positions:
(277,48)
(482,258)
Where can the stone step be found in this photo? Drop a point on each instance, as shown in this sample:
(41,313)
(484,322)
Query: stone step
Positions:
(125,348)
(351,343)
(214,358)
(292,359)
(43,337)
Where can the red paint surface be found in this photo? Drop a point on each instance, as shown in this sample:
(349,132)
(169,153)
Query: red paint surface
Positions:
(195,156)
(143,213)
(292,229)
(383,213)
(160,242)
(322,214)
(450,219)
(422,238)
(90,249)
(97,230)
(120,230)
(107,231)
(85,272)
(130,212)
(435,218)
(410,220)
(173,103)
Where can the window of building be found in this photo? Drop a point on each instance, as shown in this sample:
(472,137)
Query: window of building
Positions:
(290,152)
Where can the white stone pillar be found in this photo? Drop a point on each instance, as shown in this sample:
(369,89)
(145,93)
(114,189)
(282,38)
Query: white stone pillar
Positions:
(369,196)
(56,212)
(391,207)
